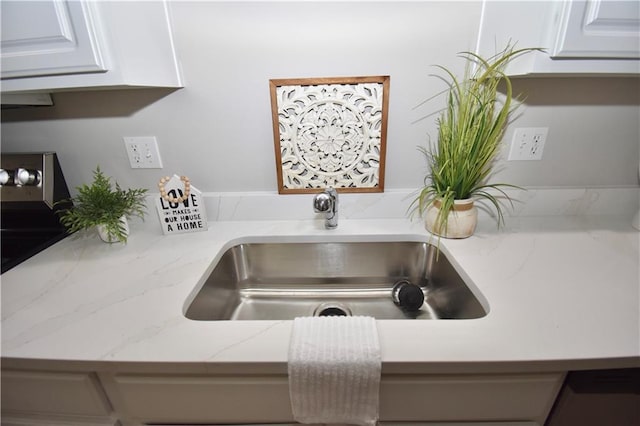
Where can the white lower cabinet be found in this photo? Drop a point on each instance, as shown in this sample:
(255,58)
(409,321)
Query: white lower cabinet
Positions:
(458,424)
(469,397)
(199,399)
(111,398)
(54,398)
(382,424)
(423,399)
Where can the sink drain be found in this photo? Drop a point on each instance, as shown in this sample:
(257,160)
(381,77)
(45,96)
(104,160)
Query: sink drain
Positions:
(332,310)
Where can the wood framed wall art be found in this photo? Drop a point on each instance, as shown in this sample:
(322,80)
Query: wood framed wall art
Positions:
(330,132)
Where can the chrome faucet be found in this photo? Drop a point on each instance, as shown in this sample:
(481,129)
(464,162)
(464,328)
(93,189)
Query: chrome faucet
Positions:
(327,202)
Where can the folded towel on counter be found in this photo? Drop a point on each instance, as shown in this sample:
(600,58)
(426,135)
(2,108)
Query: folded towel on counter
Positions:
(334,370)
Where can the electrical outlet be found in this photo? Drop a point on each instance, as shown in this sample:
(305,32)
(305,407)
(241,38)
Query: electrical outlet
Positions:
(528,143)
(143,152)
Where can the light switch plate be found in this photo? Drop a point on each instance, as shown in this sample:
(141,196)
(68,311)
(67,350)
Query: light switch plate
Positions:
(143,152)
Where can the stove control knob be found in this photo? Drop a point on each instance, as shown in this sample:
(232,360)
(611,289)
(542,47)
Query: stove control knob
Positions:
(6,177)
(27,177)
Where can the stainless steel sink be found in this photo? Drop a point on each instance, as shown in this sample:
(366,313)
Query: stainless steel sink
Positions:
(279,281)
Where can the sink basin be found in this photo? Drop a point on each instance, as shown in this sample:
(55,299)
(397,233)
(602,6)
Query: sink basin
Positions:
(281,281)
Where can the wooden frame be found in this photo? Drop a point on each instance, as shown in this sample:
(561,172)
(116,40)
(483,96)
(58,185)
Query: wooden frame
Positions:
(330,132)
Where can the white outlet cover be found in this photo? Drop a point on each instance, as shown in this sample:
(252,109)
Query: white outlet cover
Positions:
(528,143)
(143,152)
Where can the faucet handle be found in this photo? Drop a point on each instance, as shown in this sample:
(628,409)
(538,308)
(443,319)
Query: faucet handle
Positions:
(322,202)
(327,202)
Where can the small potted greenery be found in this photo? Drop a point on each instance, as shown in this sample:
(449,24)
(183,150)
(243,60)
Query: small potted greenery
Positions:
(470,130)
(104,207)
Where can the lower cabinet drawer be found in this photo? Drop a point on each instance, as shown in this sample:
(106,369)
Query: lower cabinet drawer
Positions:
(193,399)
(53,392)
(265,399)
(379,424)
(469,397)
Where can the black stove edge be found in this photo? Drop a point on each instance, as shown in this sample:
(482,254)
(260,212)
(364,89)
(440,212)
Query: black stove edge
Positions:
(13,262)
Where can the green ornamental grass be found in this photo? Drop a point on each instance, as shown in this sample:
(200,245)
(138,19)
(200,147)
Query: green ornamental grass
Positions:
(470,131)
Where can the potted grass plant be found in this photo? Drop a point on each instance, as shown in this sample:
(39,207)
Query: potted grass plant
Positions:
(105,207)
(470,131)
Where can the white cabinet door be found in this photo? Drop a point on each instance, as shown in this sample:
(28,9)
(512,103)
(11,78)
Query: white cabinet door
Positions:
(598,29)
(48,38)
(580,37)
(62,45)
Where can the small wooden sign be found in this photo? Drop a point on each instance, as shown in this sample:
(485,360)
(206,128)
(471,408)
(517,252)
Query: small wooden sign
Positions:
(180,217)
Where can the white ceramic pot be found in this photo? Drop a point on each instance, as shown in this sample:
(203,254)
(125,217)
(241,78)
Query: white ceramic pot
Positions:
(461,223)
(109,238)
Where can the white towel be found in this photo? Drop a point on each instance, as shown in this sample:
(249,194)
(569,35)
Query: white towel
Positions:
(334,370)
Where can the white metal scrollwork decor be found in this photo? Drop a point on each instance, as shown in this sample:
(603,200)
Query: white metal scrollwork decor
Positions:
(330,132)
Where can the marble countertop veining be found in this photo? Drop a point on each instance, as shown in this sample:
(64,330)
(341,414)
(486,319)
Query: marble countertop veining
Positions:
(562,293)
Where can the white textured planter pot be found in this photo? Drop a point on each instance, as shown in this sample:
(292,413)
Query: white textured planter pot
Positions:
(461,223)
(108,238)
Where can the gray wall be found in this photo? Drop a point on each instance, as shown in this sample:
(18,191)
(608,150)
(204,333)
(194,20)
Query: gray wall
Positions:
(218,129)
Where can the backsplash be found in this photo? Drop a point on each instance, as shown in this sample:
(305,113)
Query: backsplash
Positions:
(394,204)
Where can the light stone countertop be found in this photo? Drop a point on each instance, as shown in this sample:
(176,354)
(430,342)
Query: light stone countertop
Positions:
(562,291)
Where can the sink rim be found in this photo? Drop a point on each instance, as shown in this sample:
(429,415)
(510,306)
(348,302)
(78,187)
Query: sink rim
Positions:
(328,239)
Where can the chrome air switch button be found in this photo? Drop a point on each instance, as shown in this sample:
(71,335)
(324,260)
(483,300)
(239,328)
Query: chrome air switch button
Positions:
(407,295)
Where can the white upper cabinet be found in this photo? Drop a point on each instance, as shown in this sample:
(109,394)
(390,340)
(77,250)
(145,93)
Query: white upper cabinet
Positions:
(580,37)
(598,29)
(57,45)
(48,38)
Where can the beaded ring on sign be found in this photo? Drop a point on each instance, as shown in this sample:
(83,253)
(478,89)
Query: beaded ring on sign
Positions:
(171,199)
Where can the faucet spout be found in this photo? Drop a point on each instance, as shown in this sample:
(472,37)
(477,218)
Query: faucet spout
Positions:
(327,202)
